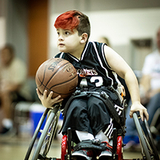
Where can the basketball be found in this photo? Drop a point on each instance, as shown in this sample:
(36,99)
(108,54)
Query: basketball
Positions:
(57,75)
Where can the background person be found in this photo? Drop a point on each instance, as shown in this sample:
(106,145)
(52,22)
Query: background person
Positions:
(13,75)
(104,39)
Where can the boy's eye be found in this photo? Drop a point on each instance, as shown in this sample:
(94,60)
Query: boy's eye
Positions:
(67,33)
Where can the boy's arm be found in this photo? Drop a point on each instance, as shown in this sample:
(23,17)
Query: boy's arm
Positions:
(117,64)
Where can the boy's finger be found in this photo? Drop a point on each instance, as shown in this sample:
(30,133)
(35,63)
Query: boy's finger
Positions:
(146,115)
(50,94)
(45,94)
(141,115)
(131,114)
(58,97)
(60,100)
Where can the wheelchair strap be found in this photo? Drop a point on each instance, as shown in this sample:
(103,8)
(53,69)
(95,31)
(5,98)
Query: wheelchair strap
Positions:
(109,104)
(75,95)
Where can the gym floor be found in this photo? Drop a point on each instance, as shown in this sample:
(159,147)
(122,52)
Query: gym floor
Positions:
(15,148)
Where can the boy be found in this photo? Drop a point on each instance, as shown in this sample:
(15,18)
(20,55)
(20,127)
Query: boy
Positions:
(97,65)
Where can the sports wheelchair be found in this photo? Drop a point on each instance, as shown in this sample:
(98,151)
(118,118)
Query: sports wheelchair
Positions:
(40,146)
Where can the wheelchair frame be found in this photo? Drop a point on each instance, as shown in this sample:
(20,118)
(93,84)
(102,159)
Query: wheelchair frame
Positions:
(40,146)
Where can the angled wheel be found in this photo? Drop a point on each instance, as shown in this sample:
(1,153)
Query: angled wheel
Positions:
(35,135)
(147,144)
(151,141)
(39,147)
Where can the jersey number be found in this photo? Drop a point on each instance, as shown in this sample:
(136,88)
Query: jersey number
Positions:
(97,80)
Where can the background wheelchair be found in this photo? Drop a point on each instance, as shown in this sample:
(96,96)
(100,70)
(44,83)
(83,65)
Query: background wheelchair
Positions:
(40,146)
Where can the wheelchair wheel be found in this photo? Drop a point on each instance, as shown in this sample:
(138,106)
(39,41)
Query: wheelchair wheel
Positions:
(34,138)
(147,144)
(151,140)
(40,146)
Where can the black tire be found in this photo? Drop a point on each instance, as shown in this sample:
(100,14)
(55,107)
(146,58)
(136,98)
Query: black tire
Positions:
(151,141)
(145,146)
(52,132)
(46,137)
(34,138)
(39,146)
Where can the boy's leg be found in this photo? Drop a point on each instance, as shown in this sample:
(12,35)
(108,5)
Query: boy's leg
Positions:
(84,135)
(100,121)
(77,119)
(102,136)
(98,115)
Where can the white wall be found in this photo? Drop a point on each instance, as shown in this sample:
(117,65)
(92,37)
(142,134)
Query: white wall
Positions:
(17,28)
(120,26)
(13,26)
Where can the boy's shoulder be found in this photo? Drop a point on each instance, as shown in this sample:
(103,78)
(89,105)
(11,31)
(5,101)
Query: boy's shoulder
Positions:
(97,44)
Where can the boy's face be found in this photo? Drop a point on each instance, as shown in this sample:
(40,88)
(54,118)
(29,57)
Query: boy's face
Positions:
(68,41)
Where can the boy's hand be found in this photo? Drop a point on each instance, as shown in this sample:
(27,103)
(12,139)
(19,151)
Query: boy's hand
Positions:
(48,101)
(137,106)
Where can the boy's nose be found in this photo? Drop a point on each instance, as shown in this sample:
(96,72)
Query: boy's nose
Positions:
(60,37)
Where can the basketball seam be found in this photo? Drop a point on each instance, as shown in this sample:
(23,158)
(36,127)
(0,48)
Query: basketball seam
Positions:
(44,73)
(55,91)
(43,77)
(54,74)
(62,82)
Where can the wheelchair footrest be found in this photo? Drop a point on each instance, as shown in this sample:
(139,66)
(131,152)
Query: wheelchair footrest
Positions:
(91,144)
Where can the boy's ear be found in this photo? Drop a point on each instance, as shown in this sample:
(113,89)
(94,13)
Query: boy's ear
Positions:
(84,38)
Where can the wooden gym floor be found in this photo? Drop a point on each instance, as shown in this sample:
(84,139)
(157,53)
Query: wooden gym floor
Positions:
(14,148)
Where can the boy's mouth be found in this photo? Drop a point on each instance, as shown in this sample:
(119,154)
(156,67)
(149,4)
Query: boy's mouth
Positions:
(61,44)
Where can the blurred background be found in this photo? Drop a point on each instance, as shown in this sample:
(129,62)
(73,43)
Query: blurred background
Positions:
(129,25)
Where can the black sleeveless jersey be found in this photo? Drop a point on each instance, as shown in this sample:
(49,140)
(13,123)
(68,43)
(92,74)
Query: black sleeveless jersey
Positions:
(92,68)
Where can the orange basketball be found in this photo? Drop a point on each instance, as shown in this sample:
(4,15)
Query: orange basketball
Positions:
(57,75)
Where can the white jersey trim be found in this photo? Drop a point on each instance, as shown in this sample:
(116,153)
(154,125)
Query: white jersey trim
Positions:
(102,63)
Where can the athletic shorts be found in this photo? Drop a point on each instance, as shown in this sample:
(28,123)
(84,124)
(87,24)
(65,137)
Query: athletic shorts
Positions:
(87,114)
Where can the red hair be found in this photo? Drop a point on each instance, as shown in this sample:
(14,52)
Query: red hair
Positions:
(68,20)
